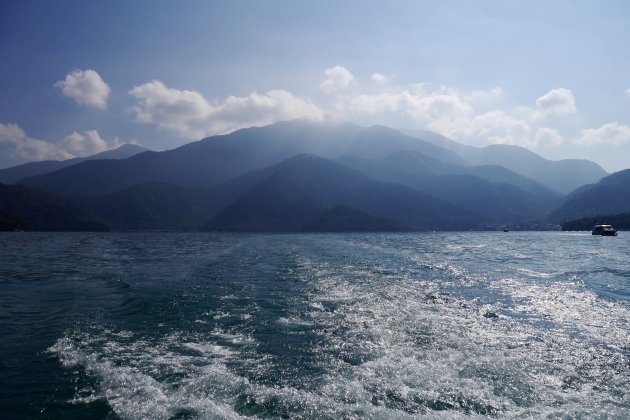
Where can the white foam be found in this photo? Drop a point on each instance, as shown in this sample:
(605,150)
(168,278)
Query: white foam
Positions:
(126,375)
(463,357)
(234,338)
(391,344)
(293,321)
(209,349)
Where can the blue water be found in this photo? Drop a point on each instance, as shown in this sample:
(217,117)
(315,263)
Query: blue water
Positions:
(186,325)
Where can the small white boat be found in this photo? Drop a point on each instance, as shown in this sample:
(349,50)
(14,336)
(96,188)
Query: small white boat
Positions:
(604,230)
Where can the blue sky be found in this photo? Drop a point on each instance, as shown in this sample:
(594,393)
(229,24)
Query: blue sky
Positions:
(80,77)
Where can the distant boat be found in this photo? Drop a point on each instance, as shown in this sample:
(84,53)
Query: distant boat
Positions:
(506,229)
(604,230)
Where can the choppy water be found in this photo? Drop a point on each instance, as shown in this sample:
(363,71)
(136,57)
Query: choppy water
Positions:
(314,326)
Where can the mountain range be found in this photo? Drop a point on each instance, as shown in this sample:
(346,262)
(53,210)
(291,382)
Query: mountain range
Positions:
(563,175)
(304,175)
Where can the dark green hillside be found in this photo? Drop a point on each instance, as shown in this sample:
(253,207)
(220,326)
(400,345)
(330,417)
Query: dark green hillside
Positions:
(619,221)
(9,222)
(346,219)
(36,210)
(148,207)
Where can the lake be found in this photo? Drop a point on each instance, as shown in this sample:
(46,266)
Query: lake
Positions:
(201,325)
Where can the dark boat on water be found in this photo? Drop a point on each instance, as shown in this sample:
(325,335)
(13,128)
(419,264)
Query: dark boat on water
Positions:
(604,230)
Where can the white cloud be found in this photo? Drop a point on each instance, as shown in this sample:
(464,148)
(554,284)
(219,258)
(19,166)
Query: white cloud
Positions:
(610,133)
(11,133)
(497,127)
(546,136)
(484,97)
(380,103)
(189,114)
(86,87)
(88,143)
(628,91)
(556,102)
(339,78)
(379,78)
(442,110)
(22,147)
(475,117)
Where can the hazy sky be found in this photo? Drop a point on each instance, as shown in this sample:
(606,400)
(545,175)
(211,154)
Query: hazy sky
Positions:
(77,77)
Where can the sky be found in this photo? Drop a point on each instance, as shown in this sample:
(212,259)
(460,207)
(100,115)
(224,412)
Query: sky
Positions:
(79,77)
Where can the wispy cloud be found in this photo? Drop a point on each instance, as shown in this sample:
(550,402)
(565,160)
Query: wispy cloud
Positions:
(86,87)
(609,133)
(379,78)
(189,114)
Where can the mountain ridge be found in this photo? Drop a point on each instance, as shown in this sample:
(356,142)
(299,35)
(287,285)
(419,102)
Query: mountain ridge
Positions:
(219,158)
(563,175)
(14,174)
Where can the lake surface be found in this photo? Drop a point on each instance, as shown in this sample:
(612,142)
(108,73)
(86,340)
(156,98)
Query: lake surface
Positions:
(187,325)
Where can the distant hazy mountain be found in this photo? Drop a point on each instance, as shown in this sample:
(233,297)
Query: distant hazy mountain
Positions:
(610,195)
(295,194)
(28,209)
(562,175)
(497,193)
(16,173)
(377,142)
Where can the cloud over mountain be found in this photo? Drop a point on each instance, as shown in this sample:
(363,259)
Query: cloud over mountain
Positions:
(189,114)
(86,87)
(446,110)
(546,136)
(16,144)
(476,116)
(443,109)
(17,147)
(610,133)
(88,143)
